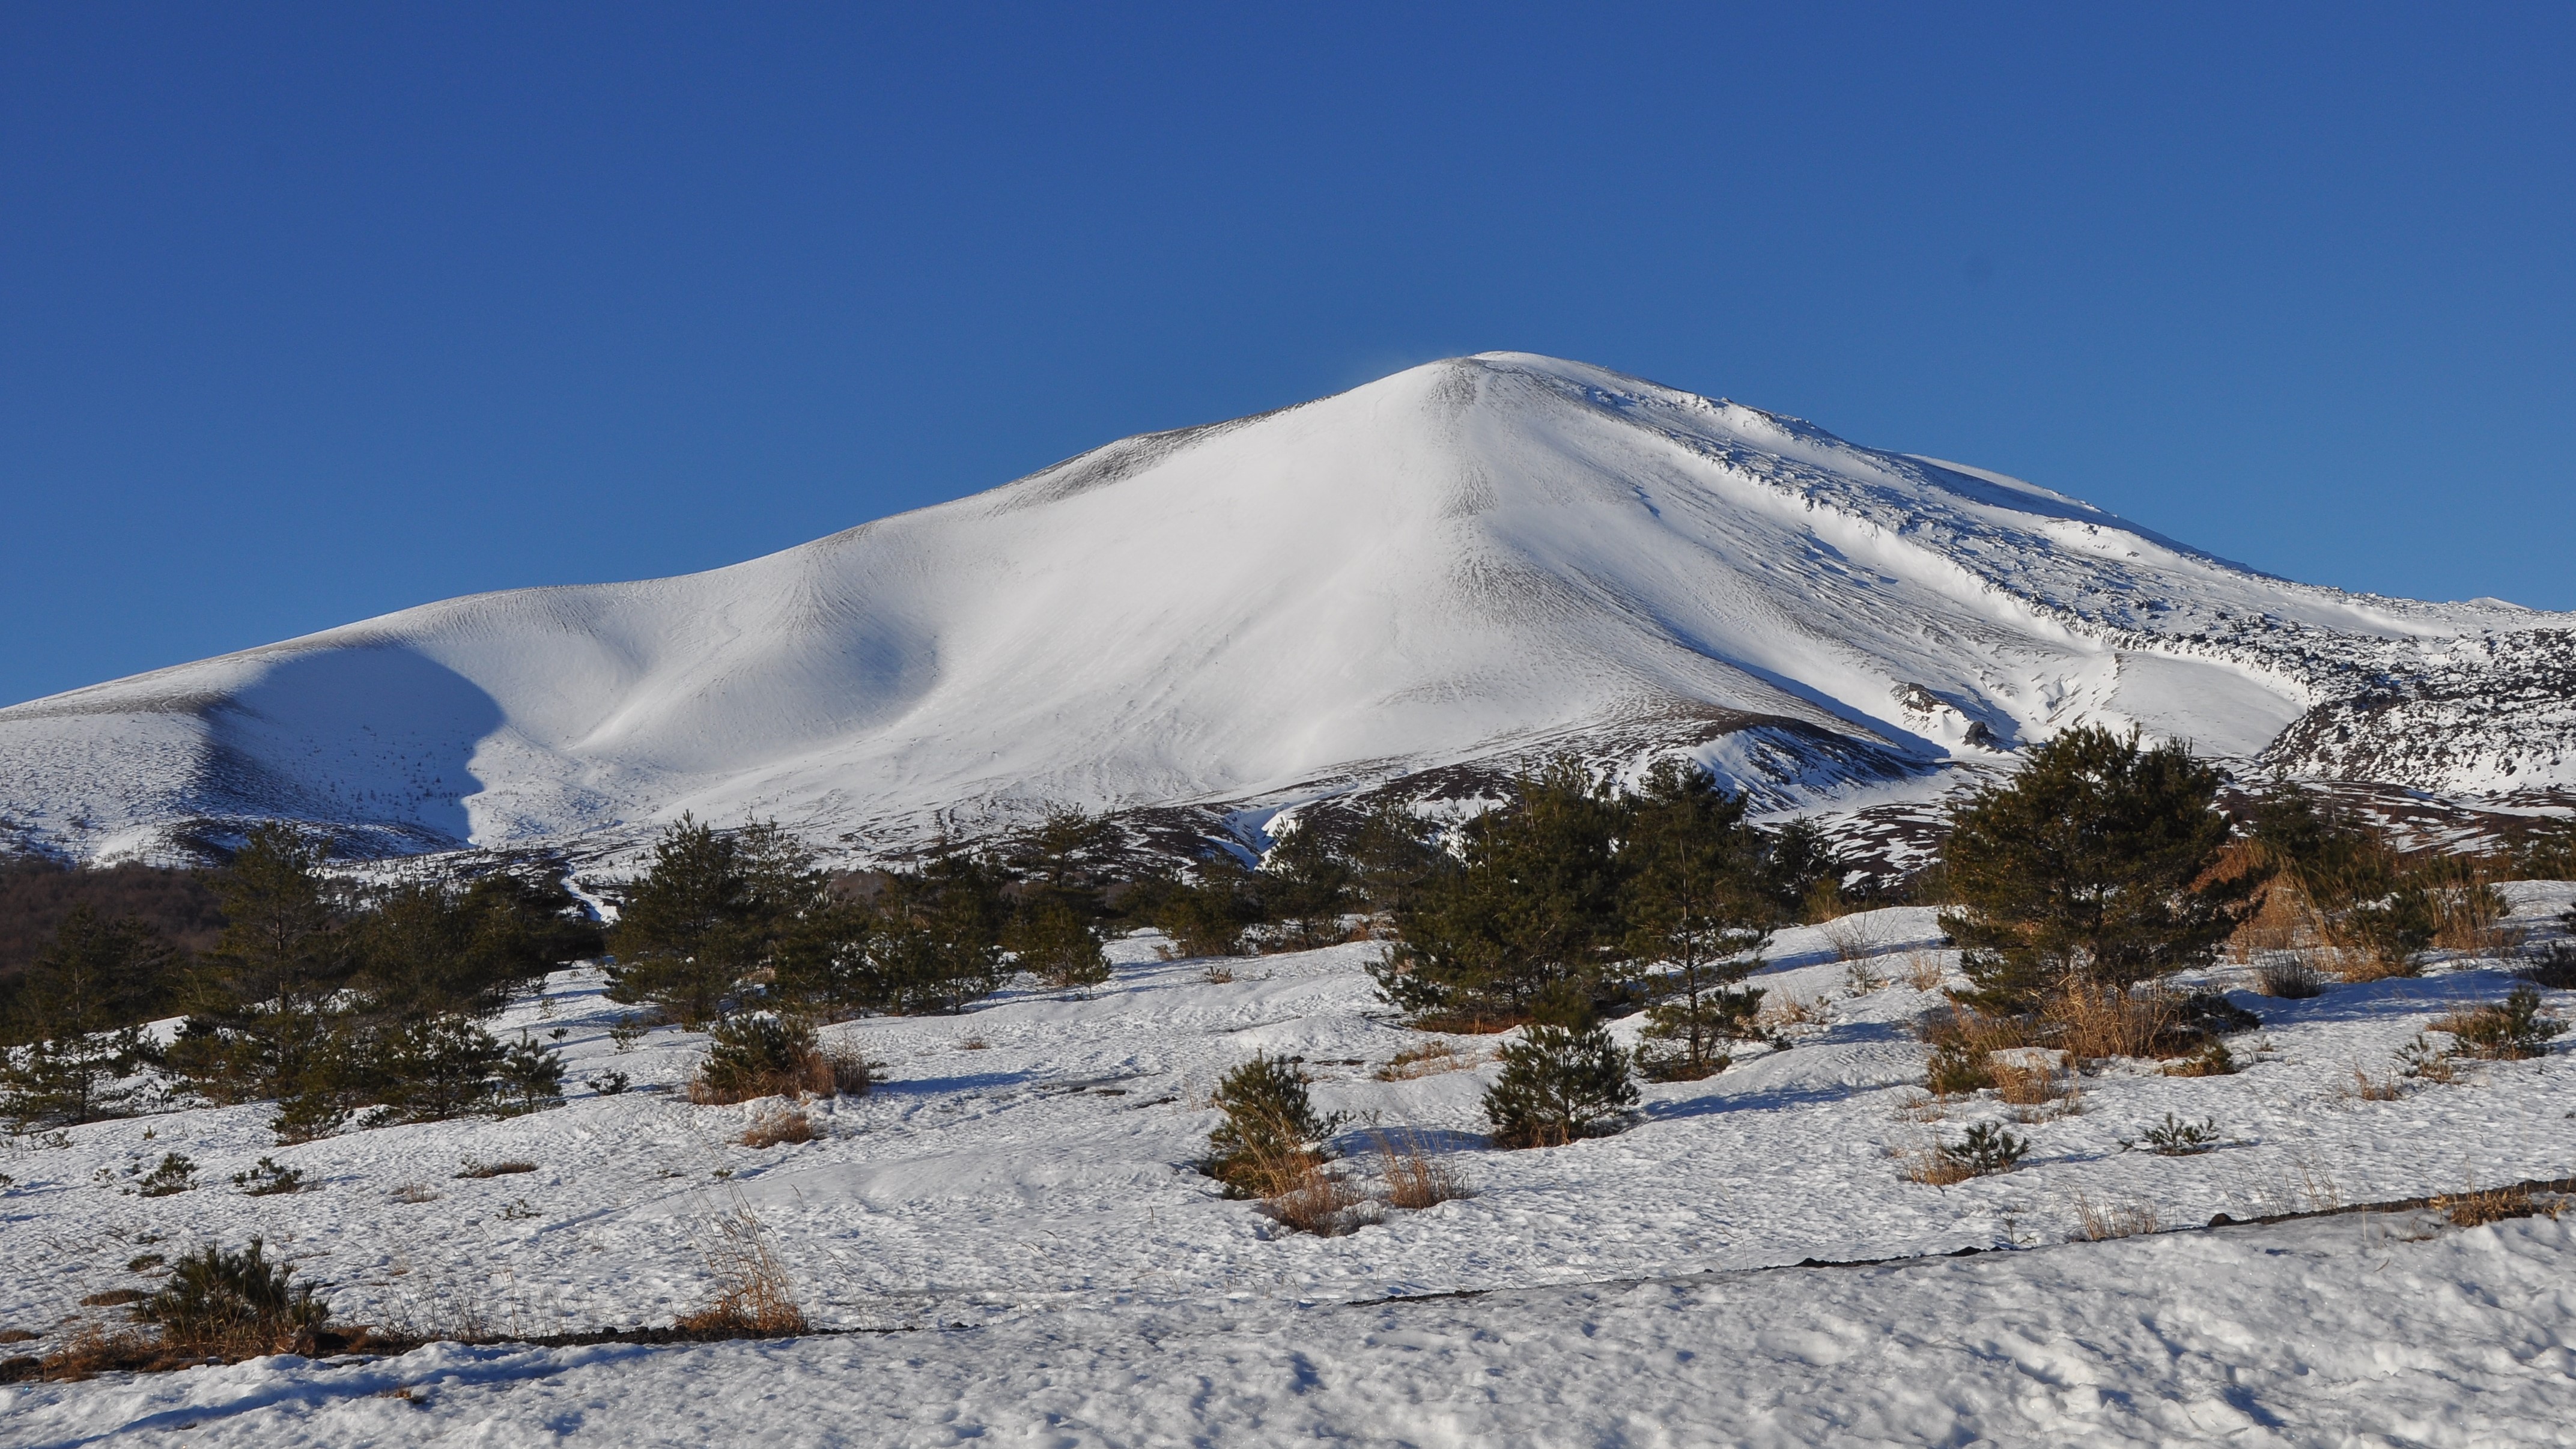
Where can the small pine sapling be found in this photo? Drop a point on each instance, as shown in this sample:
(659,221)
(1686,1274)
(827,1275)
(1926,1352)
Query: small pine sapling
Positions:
(1988,1149)
(531,1077)
(1958,1071)
(2420,1060)
(175,1174)
(2512,1030)
(2213,1060)
(1559,1083)
(1271,1138)
(2174,1137)
(760,1055)
(234,1303)
(267,1179)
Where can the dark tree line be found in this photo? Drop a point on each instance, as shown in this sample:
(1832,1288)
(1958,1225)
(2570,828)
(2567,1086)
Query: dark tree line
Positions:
(340,1004)
(724,922)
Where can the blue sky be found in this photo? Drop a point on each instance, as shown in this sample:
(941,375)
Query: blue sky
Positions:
(307,314)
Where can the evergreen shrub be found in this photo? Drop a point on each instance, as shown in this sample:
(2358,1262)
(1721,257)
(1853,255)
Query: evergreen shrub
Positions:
(1559,1083)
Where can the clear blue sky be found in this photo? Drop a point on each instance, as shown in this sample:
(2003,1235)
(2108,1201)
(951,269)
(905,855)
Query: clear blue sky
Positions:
(307,314)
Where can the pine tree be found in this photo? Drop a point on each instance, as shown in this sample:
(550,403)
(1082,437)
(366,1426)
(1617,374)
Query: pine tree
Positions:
(1533,916)
(1305,885)
(1271,1135)
(282,947)
(263,993)
(75,1010)
(1559,1083)
(709,913)
(1052,940)
(1394,855)
(437,1068)
(1801,872)
(529,1077)
(936,936)
(823,962)
(2089,868)
(1208,916)
(1693,900)
(434,946)
(1054,934)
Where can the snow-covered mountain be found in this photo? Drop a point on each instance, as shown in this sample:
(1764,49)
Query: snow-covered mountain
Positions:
(1456,567)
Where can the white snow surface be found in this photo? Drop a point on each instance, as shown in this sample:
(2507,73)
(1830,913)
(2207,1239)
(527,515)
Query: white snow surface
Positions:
(1011,1242)
(1451,563)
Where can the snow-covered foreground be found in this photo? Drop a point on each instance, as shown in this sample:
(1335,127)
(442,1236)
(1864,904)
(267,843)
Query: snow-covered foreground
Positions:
(1017,1207)
(2335,1331)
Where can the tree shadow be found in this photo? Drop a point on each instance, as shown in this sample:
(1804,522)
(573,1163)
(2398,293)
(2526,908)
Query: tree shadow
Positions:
(966,1082)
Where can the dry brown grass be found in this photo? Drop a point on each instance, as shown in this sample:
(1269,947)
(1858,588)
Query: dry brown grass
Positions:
(415,1192)
(1967,1029)
(2358,964)
(94,1348)
(1416,1178)
(2025,1078)
(2474,1207)
(2282,918)
(974,1044)
(775,1123)
(2099,1022)
(1923,971)
(1429,1059)
(2367,1088)
(2099,1222)
(2321,1192)
(2468,913)
(1854,938)
(754,1297)
(1218,974)
(1311,1200)
(2070,1105)
(835,1070)
(1932,1167)
(1780,1010)
(2286,921)
(2290,976)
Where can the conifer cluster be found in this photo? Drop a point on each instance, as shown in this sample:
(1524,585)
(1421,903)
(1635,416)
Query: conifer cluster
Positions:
(341,1005)
(1580,901)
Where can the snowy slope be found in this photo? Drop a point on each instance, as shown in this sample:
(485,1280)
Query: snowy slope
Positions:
(1468,559)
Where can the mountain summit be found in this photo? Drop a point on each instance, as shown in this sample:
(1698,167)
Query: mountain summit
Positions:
(1467,563)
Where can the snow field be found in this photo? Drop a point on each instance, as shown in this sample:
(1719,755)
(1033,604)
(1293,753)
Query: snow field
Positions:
(2330,1332)
(1016,1204)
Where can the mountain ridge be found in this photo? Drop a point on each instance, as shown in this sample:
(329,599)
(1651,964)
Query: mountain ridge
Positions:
(1425,572)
